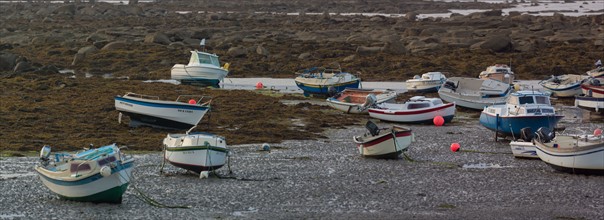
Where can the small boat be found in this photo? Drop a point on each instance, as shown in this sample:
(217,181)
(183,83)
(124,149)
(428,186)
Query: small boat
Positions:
(474,93)
(357,101)
(388,145)
(150,111)
(573,154)
(499,72)
(417,109)
(565,85)
(590,103)
(325,82)
(593,88)
(95,175)
(196,152)
(523,109)
(524,149)
(428,82)
(597,72)
(203,68)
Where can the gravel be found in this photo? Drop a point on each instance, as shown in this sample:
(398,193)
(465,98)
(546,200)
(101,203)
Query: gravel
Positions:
(327,178)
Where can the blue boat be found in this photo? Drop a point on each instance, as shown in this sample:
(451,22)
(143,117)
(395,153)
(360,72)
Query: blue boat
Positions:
(522,109)
(323,82)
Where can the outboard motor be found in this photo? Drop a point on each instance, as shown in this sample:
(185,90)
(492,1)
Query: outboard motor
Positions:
(331,91)
(594,82)
(545,134)
(44,154)
(526,134)
(373,128)
(370,100)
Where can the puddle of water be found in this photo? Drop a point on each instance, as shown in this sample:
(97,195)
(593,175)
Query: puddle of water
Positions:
(483,166)
(170,81)
(5,176)
(288,85)
(11,216)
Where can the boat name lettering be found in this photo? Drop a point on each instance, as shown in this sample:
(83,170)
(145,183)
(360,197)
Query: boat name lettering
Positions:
(184,110)
(125,103)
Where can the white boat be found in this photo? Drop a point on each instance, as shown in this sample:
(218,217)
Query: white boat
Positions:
(95,175)
(390,144)
(428,82)
(324,81)
(590,103)
(522,109)
(197,152)
(474,93)
(597,72)
(593,88)
(203,68)
(499,72)
(574,154)
(183,113)
(418,109)
(355,101)
(524,149)
(564,85)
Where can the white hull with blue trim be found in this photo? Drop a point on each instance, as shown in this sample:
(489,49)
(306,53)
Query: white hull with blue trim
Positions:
(203,68)
(523,149)
(564,85)
(150,111)
(96,175)
(574,154)
(196,152)
(428,82)
(474,93)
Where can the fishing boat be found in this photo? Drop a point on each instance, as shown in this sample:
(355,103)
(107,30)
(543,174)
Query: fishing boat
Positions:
(357,101)
(390,144)
(499,72)
(522,109)
(593,88)
(146,110)
(582,154)
(324,81)
(428,82)
(417,109)
(203,68)
(474,93)
(590,103)
(564,85)
(597,72)
(196,152)
(94,175)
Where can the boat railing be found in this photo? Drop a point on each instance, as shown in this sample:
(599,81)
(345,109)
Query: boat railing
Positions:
(197,99)
(136,95)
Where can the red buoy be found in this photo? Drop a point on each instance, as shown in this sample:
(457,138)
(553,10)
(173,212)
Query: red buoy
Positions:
(259,85)
(438,120)
(192,102)
(597,132)
(455,147)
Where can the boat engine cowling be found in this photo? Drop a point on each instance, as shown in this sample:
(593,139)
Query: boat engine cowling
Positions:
(45,153)
(545,134)
(370,100)
(526,134)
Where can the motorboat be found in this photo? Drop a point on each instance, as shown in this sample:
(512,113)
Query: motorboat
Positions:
(428,82)
(593,88)
(186,111)
(197,152)
(357,101)
(598,73)
(474,93)
(522,109)
(579,154)
(564,85)
(499,72)
(203,68)
(390,144)
(324,81)
(417,109)
(590,103)
(94,175)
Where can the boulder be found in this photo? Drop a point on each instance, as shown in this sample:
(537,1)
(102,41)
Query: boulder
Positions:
(23,66)
(7,61)
(411,16)
(349,58)
(238,51)
(395,47)
(69,9)
(88,50)
(159,38)
(78,58)
(262,51)
(499,43)
(116,45)
(304,56)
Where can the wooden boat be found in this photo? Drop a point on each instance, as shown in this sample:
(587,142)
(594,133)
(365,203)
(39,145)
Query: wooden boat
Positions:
(150,111)
(499,72)
(428,82)
(203,68)
(474,93)
(565,85)
(94,175)
(325,82)
(196,152)
(418,109)
(390,144)
(522,109)
(573,154)
(593,88)
(355,101)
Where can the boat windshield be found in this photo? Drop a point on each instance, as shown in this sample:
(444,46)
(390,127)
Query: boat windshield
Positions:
(526,100)
(542,100)
(215,61)
(418,105)
(204,59)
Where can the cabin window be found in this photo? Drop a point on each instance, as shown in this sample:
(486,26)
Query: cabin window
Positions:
(492,111)
(542,100)
(426,77)
(547,110)
(418,105)
(215,61)
(78,167)
(526,100)
(106,160)
(534,110)
(204,59)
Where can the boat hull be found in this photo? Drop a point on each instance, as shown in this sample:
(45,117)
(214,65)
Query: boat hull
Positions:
(564,91)
(424,86)
(511,125)
(577,161)
(590,103)
(522,149)
(357,107)
(477,104)
(95,188)
(447,111)
(196,152)
(160,114)
(592,91)
(205,74)
(385,146)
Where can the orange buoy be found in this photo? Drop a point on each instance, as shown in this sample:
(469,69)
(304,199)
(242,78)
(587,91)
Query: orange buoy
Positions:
(438,120)
(192,102)
(455,147)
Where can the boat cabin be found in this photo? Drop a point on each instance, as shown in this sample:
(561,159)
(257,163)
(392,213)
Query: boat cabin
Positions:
(203,58)
(499,72)
(525,103)
(418,102)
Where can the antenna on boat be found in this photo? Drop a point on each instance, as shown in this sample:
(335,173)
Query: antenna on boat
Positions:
(189,131)
(202,44)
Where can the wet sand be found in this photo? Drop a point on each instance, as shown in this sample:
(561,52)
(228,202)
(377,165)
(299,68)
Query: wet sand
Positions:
(326,178)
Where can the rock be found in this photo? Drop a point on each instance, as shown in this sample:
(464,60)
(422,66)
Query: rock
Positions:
(7,61)
(98,37)
(368,50)
(191,41)
(88,50)
(349,58)
(23,66)
(304,56)
(395,47)
(411,16)
(430,32)
(159,38)
(116,45)
(237,51)
(78,58)
(262,51)
(499,43)
(131,10)
(69,9)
